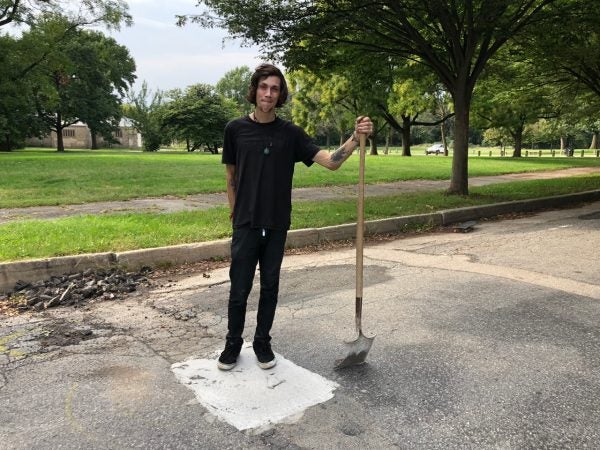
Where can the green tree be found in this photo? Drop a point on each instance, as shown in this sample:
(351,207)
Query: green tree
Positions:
(18,118)
(510,98)
(87,12)
(567,52)
(143,111)
(234,85)
(321,104)
(442,112)
(106,83)
(414,91)
(310,109)
(45,26)
(197,116)
(18,57)
(578,117)
(496,136)
(454,39)
(84,82)
(332,101)
(592,126)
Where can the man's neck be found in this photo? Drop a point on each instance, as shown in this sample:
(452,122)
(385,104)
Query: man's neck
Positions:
(263,117)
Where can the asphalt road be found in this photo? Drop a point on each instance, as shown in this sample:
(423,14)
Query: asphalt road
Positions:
(488,339)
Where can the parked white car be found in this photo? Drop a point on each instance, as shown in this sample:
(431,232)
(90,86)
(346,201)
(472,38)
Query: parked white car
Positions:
(436,149)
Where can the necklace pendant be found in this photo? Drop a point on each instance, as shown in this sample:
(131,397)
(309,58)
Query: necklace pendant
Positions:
(267,150)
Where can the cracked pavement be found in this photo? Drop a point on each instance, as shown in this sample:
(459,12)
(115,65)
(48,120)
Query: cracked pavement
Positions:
(487,339)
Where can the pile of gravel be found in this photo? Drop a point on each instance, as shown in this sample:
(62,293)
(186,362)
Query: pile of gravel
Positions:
(77,288)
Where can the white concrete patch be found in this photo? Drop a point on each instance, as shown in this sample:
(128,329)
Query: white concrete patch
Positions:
(250,397)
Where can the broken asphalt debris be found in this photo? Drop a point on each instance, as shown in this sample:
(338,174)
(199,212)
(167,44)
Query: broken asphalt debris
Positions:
(77,288)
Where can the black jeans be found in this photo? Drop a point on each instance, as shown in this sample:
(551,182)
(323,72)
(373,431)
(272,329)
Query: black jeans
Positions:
(250,246)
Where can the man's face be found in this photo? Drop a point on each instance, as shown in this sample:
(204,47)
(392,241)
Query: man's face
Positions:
(267,93)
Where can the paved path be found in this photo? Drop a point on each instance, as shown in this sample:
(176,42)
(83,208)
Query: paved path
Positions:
(204,201)
(485,340)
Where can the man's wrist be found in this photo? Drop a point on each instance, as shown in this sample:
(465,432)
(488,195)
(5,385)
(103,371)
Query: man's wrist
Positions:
(355,137)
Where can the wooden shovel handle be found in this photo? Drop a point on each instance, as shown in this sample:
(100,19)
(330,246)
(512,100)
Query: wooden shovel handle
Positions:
(360,228)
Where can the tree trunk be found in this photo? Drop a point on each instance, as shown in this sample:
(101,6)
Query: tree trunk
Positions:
(388,138)
(443,135)
(187,145)
(406,136)
(373,146)
(518,145)
(459,183)
(60,145)
(373,140)
(94,139)
(594,144)
(563,143)
(7,144)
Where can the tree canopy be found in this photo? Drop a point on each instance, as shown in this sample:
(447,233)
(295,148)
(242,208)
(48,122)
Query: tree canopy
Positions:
(54,64)
(454,39)
(508,97)
(143,111)
(234,85)
(197,116)
(82,82)
(84,12)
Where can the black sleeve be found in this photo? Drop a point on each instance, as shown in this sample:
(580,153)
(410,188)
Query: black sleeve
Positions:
(306,149)
(229,149)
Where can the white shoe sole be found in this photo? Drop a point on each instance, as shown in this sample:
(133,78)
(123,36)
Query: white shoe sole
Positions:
(224,366)
(267,365)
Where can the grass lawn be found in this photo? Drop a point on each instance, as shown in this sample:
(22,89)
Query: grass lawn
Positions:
(119,232)
(36,177)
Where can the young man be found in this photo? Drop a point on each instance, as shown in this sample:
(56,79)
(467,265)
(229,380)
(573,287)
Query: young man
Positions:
(260,151)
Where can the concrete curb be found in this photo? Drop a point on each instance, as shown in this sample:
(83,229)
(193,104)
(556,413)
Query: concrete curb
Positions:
(496,209)
(41,269)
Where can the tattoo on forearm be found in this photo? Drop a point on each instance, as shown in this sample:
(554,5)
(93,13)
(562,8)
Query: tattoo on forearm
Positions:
(339,154)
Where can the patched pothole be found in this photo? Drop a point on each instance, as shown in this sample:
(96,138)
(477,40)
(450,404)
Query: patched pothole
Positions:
(65,334)
(20,342)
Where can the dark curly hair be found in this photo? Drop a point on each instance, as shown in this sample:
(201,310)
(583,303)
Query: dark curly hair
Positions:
(263,71)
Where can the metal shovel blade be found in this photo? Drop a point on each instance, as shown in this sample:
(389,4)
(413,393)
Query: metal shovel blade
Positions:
(357,352)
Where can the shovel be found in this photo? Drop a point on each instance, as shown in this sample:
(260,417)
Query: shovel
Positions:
(358,348)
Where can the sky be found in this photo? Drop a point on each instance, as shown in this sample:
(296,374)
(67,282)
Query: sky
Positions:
(168,56)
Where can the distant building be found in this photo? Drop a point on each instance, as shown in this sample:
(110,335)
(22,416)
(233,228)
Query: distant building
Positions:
(78,136)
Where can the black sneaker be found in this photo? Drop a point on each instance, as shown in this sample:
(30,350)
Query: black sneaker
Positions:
(264,354)
(229,357)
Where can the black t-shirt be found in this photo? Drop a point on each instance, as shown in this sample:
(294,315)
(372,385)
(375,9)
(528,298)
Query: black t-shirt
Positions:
(264,155)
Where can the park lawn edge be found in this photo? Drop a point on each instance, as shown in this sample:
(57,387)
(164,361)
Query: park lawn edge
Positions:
(32,239)
(84,177)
